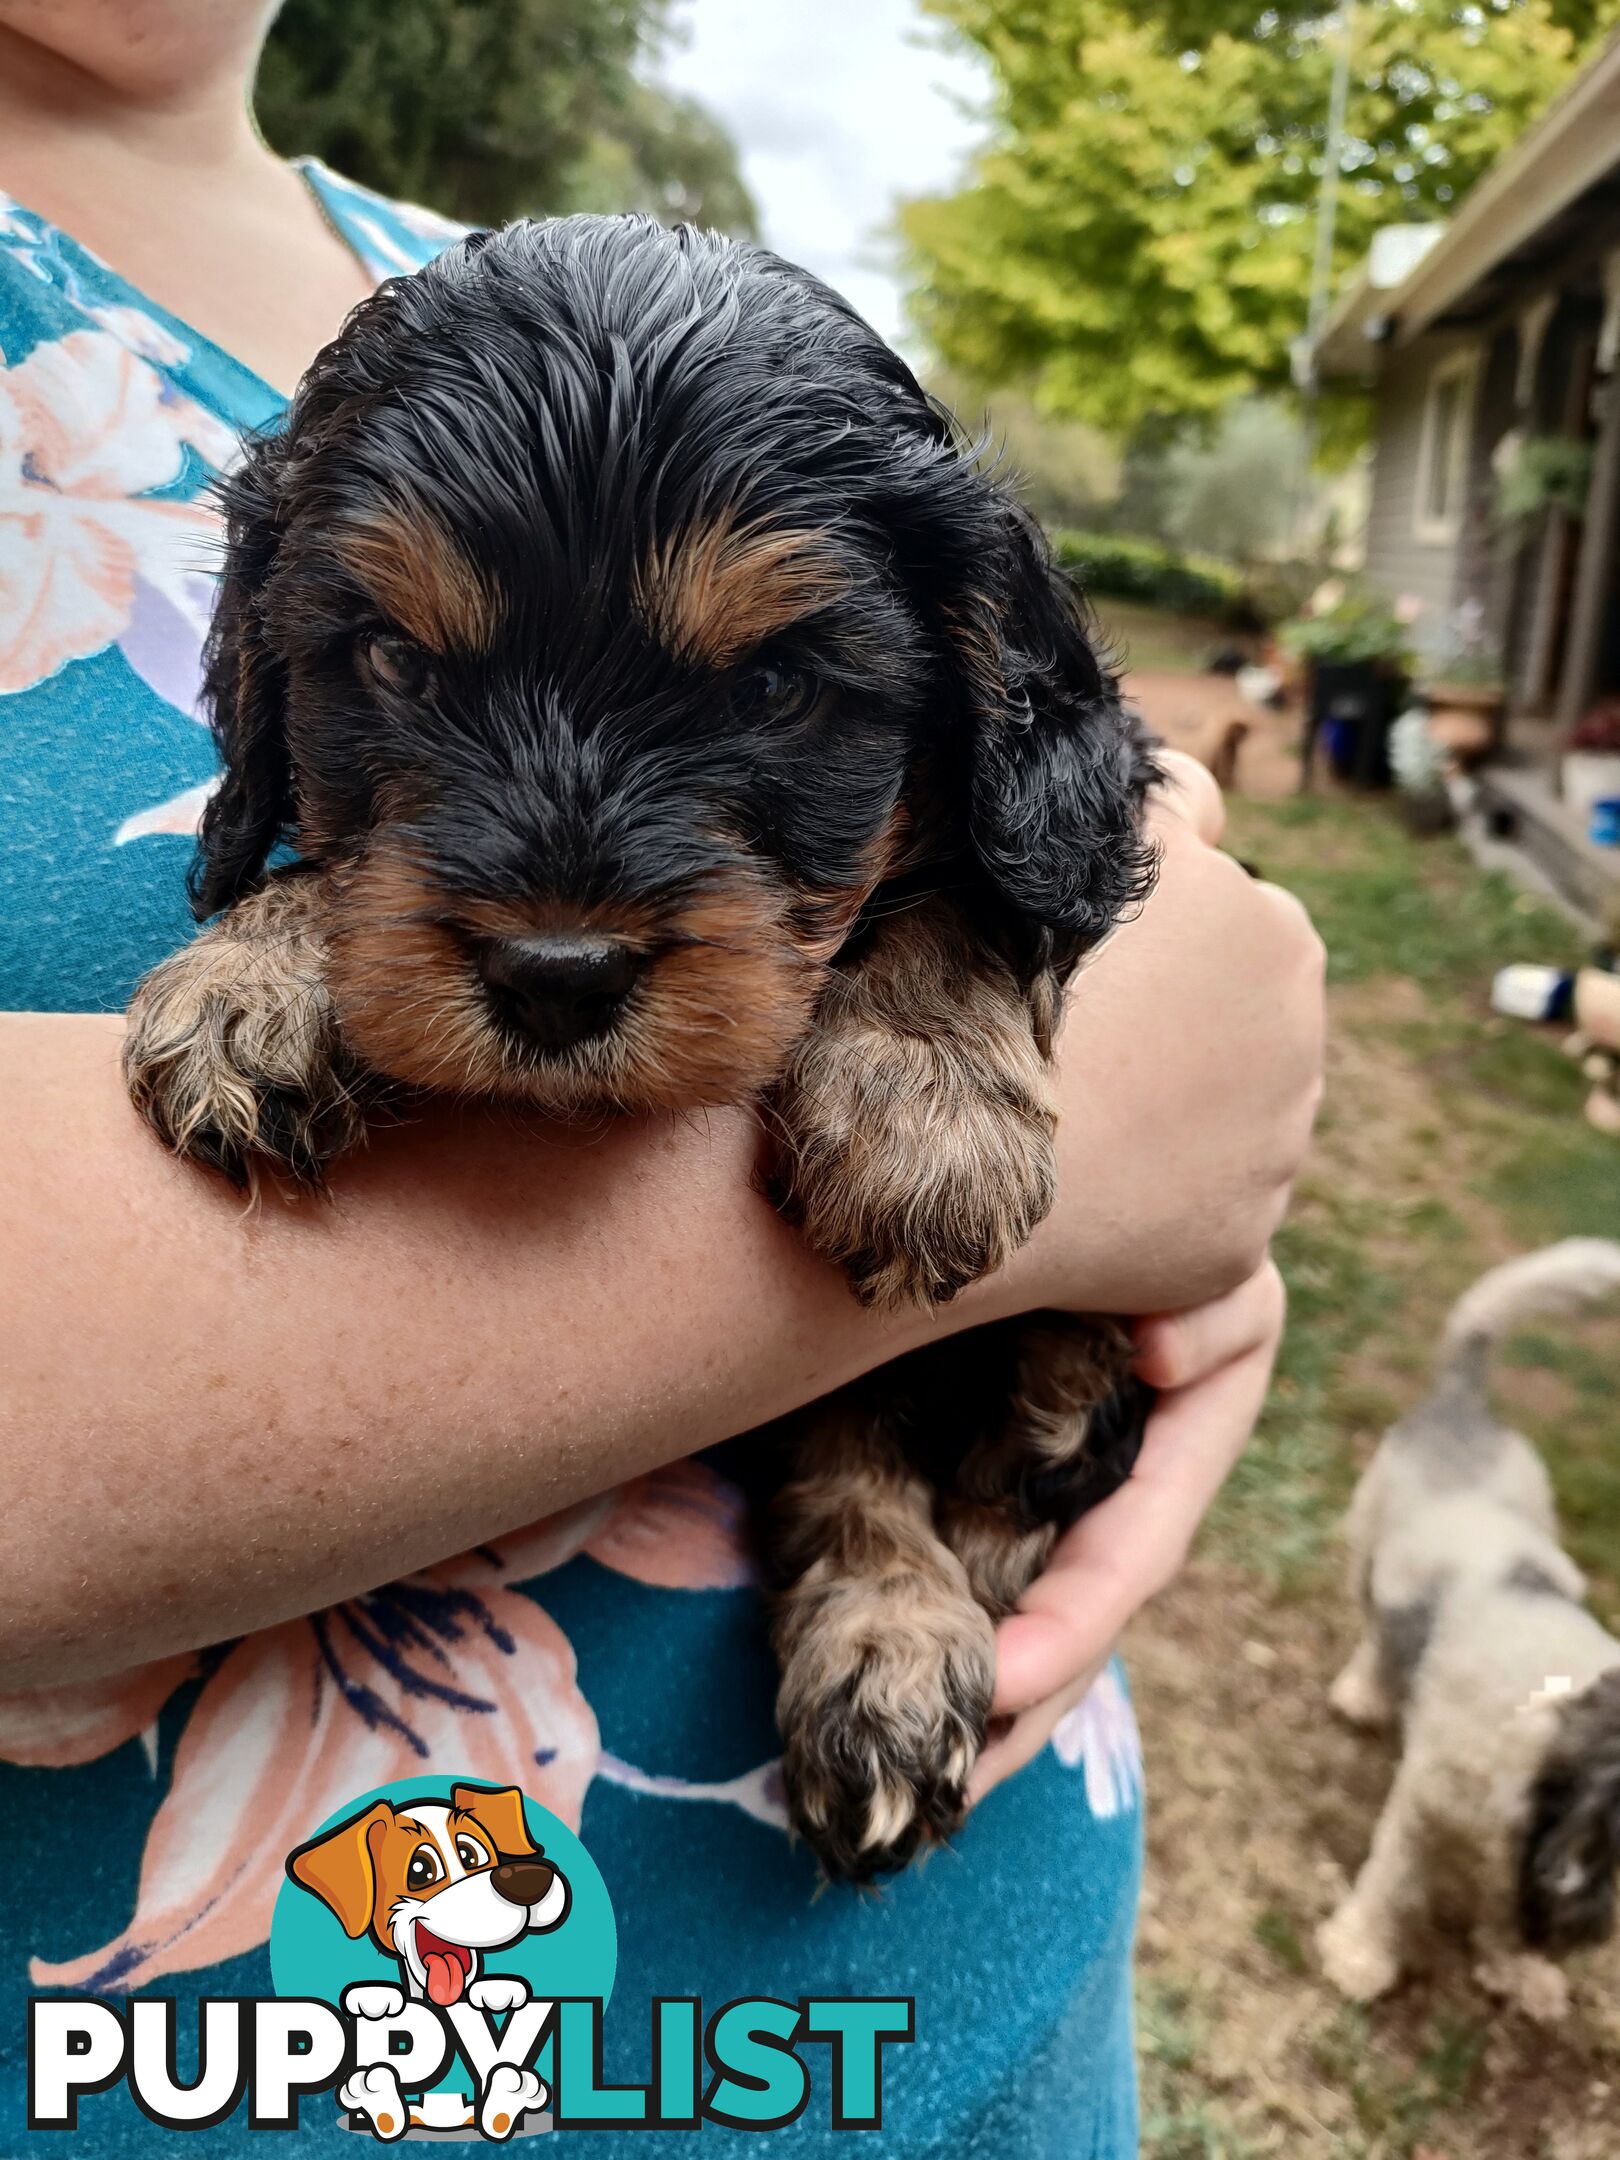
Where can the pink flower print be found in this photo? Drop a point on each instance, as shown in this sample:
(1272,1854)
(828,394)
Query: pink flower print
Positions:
(87,430)
(1099,1737)
(686,1530)
(455,1667)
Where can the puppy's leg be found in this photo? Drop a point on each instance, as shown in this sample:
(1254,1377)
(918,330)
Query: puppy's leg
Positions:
(1064,1436)
(887,1659)
(1363,1945)
(233,1054)
(1532,1983)
(1359,1694)
(915,1120)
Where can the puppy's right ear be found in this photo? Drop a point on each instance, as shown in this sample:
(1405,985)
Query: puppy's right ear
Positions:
(244,686)
(340,1870)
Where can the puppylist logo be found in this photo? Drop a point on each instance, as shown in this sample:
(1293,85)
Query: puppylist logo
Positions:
(442,1954)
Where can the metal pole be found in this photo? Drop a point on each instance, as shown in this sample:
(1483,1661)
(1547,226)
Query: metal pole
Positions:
(1321,296)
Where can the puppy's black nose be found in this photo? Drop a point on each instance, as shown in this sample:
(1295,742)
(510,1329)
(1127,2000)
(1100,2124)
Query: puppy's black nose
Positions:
(521,1882)
(560,990)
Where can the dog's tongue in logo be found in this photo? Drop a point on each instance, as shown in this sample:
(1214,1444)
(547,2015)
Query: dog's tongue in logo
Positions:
(445,1966)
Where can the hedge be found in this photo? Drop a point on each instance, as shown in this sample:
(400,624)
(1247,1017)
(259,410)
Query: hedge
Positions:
(1111,567)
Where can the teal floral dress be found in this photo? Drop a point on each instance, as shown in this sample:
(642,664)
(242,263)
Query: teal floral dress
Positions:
(610,1661)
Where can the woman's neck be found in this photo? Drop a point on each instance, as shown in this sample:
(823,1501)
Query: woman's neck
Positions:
(79,126)
(144,149)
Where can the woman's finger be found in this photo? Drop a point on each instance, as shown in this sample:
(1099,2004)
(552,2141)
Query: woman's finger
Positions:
(1114,1559)
(1174,1349)
(1020,1739)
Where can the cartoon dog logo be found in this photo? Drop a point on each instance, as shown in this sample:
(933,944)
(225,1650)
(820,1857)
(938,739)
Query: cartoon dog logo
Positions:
(437,1887)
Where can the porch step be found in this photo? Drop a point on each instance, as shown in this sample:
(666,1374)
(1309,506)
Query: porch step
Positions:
(1518,801)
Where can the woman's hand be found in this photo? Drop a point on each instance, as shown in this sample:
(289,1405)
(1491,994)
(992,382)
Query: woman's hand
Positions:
(1189,1072)
(1212,1366)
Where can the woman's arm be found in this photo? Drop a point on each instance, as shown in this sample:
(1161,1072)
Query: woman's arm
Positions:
(213,1418)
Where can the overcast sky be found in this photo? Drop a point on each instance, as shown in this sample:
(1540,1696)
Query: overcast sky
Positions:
(839,107)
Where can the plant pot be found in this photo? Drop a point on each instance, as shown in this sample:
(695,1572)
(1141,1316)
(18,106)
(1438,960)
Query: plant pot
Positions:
(1466,717)
(1587,777)
(1485,698)
(1353,705)
(1427,813)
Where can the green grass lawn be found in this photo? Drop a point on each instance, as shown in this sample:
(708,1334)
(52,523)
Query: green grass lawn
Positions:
(1450,1136)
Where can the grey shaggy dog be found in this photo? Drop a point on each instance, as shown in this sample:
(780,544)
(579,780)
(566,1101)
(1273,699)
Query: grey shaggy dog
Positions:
(1504,1817)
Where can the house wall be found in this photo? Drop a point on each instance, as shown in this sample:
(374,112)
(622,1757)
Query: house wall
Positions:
(1545,564)
(1400,562)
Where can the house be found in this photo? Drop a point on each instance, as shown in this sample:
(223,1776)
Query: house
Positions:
(1497,331)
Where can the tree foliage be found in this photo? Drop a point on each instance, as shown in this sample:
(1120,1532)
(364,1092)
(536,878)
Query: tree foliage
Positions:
(1136,238)
(489,109)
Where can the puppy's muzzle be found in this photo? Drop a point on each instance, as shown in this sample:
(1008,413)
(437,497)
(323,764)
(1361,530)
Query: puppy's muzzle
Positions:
(556,992)
(521,1882)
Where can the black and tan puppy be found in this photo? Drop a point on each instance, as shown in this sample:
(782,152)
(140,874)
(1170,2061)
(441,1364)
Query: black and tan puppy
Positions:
(665,709)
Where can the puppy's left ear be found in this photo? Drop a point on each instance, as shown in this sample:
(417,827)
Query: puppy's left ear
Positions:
(1058,766)
(500,1810)
(244,685)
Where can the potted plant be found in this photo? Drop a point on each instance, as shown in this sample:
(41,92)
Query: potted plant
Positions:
(1535,473)
(1421,765)
(1464,689)
(1354,645)
(1590,771)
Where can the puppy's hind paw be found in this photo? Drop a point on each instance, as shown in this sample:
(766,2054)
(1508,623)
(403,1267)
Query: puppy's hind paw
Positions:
(508,2097)
(1357,1960)
(877,1759)
(375,2094)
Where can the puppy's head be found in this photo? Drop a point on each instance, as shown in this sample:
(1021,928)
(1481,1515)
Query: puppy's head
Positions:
(1570,1857)
(436,1884)
(613,616)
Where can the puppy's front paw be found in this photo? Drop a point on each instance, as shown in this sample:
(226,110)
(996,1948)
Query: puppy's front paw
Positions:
(1532,1984)
(373,1999)
(881,1735)
(501,1991)
(917,1171)
(1356,1957)
(233,1054)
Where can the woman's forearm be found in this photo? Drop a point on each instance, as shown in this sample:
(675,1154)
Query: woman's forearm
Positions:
(212,1417)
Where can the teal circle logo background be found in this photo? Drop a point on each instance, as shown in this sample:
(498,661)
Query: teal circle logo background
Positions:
(310,1954)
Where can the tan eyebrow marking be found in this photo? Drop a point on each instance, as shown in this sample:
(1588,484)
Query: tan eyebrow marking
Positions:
(421,578)
(723,587)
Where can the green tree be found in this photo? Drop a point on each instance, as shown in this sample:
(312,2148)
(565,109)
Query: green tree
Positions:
(1136,238)
(490,109)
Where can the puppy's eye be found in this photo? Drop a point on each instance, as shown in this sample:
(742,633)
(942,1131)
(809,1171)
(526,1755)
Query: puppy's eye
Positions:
(774,693)
(397,663)
(425,1868)
(470,1853)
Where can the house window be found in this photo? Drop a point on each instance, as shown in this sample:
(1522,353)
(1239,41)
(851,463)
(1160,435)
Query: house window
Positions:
(1443,461)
